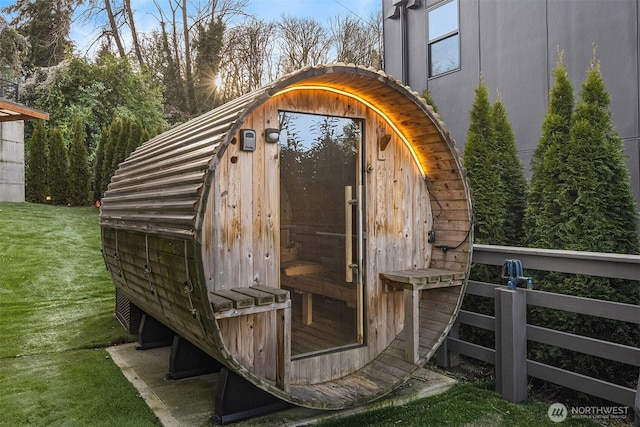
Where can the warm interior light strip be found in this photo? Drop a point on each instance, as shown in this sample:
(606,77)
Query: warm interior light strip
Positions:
(365,102)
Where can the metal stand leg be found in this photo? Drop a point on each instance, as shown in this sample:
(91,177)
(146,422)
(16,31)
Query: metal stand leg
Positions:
(152,334)
(237,399)
(187,360)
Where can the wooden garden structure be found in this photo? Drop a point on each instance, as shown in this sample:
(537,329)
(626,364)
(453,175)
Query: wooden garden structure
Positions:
(313,236)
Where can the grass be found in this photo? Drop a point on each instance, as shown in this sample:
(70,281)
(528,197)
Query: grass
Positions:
(469,405)
(56,318)
(56,304)
(55,292)
(73,387)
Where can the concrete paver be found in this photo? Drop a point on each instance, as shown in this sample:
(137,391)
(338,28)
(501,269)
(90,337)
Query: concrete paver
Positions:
(190,401)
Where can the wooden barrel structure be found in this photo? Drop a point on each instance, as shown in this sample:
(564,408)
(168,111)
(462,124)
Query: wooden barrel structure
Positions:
(313,236)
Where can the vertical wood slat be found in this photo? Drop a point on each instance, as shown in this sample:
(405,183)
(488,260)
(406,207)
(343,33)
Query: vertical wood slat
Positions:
(307,308)
(411,325)
(271,207)
(247,163)
(360,313)
(283,358)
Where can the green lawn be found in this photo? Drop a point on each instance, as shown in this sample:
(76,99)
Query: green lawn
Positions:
(56,317)
(56,305)
(468,405)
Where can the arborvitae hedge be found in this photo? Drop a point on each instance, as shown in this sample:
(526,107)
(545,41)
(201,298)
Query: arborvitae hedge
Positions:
(121,145)
(116,143)
(57,168)
(426,95)
(499,194)
(480,159)
(543,210)
(36,173)
(97,166)
(597,204)
(108,166)
(595,212)
(135,137)
(511,174)
(79,176)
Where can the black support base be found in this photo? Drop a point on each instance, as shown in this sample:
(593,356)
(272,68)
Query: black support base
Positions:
(152,334)
(237,399)
(187,360)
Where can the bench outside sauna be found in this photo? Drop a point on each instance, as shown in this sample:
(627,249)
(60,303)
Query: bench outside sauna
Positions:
(314,237)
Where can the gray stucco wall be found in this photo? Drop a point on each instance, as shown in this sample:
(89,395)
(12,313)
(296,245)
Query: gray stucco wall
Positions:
(12,161)
(513,45)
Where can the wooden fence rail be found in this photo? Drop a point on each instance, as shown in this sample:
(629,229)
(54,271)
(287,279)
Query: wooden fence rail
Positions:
(512,332)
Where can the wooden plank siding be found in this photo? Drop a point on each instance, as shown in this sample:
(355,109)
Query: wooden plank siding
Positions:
(152,272)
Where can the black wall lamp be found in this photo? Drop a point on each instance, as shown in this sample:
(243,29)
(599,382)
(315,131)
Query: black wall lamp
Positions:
(272,135)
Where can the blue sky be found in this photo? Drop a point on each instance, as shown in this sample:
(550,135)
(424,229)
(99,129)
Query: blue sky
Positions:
(83,33)
(321,10)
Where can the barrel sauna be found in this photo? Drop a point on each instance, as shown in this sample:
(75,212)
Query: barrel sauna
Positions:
(313,236)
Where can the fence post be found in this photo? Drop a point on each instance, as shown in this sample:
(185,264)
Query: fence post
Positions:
(511,343)
(636,405)
(446,358)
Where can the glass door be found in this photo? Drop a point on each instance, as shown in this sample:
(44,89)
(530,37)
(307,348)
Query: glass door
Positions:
(321,233)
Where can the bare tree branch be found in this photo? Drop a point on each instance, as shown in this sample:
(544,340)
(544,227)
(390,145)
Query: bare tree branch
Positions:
(303,42)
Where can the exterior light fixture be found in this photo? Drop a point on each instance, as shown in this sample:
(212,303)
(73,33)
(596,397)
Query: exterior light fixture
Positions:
(272,135)
(381,113)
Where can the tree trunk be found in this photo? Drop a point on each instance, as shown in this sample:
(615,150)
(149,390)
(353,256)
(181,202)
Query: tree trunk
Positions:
(176,49)
(134,34)
(187,61)
(114,28)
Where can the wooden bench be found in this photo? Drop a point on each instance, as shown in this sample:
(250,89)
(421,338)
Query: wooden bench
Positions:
(412,282)
(260,299)
(307,278)
(241,301)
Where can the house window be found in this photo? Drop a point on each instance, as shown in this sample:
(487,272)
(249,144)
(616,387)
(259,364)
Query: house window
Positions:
(444,38)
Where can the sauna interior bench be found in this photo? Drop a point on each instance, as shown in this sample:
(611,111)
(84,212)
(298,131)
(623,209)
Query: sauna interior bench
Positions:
(241,301)
(412,282)
(306,278)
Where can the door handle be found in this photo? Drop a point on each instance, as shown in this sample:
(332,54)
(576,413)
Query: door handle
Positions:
(349,201)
